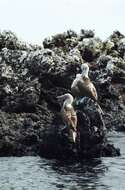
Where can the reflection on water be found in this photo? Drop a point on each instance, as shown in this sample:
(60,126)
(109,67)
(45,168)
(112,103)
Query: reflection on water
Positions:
(34,173)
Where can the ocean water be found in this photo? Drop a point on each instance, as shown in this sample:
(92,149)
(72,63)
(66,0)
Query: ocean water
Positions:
(35,173)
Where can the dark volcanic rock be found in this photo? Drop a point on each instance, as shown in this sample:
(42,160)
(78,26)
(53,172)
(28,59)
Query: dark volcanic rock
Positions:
(91,136)
(31,77)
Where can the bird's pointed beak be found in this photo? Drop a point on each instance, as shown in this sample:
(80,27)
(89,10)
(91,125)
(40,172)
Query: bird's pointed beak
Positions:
(59,97)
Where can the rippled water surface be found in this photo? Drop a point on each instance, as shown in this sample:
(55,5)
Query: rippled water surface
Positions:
(35,173)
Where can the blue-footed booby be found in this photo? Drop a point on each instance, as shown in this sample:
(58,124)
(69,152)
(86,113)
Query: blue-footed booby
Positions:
(68,114)
(82,86)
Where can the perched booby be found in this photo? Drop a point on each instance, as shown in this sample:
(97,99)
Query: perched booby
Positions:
(82,86)
(69,114)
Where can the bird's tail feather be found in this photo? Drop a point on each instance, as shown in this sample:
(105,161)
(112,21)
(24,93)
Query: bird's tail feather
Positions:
(74,134)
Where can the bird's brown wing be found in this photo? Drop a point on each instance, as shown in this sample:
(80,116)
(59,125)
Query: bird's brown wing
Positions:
(87,89)
(93,91)
(69,117)
(74,119)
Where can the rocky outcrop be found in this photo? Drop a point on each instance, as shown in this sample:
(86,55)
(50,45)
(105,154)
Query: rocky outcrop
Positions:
(31,77)
(91,136)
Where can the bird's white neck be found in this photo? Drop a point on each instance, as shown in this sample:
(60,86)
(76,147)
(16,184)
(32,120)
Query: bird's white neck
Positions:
(68,101)
(85,74)
(67,98)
